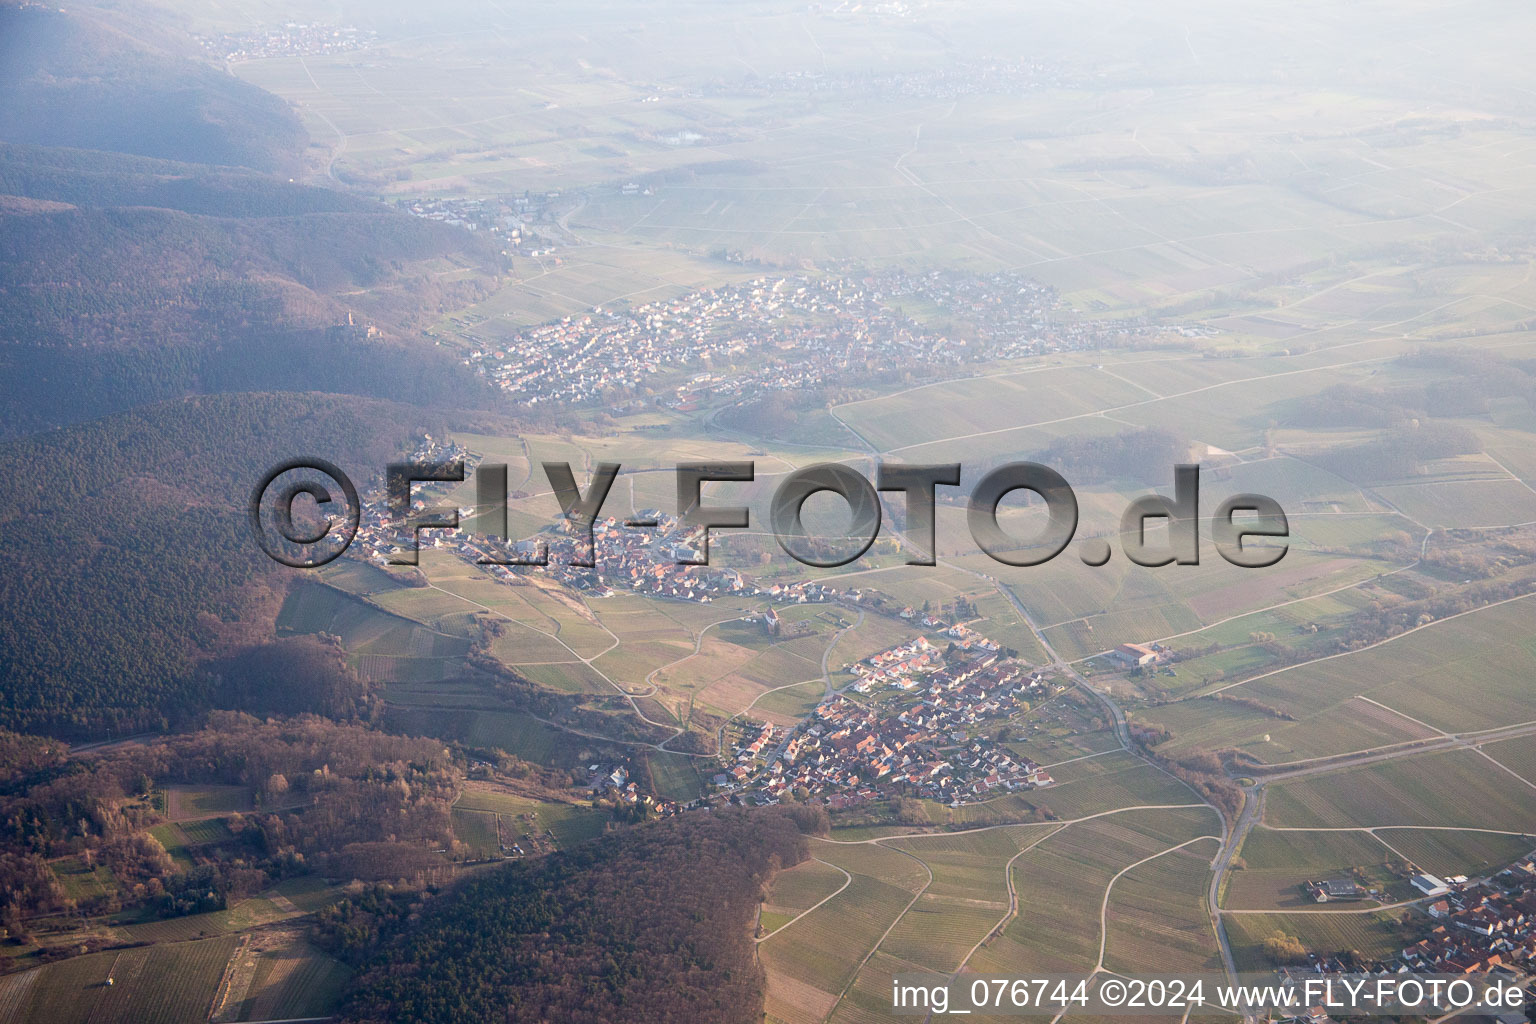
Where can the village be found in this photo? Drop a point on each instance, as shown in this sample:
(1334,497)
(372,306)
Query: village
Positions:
(924,744)
(636,559)
(1479,926)
(921,742)
(966,77)
(783,334)
(640,559)
(516,218)
(291,39)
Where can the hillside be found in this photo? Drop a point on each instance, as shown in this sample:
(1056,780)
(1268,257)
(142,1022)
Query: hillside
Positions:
(131,560)
(125,281)
(92,178)
(646,925)
(66,80)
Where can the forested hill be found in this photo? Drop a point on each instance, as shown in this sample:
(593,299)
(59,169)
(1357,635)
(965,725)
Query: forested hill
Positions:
(645,926)
(68,80)
(130,561)
(235,282)
(89,178)
(148,250)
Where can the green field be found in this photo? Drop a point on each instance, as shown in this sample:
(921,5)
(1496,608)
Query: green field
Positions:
(476,829)
(676,776)
(1518,755)
(967,898)
(796,890)
(249,913)
(191,802)
(955,888)
(1116,780)
(1062,882)
(810,962)
(81,882)
(570,823)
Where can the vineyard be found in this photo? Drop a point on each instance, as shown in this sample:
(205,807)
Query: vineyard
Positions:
(797,890)
(171,983)
(1157,917)
(1458,788)
(1459,853)
(811,961)
(1373,935)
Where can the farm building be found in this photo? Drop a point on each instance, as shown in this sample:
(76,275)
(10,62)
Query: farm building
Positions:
(1135,655)
(1429,885)
(1335,889)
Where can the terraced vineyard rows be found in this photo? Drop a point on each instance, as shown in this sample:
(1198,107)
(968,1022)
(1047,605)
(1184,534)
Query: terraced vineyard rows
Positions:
(1455,788)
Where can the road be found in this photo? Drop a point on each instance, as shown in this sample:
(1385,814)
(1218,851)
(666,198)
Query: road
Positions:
(847,881)
(1060,664)
(1231,839)
(1374,755)
(1253,811)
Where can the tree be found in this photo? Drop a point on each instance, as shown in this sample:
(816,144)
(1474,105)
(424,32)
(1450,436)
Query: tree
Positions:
(277,785)
(1284,949)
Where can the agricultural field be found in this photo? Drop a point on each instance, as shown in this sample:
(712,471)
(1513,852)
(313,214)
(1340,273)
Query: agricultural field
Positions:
(188,803)
(1458,788)
(1457,675)
(789,704)
(966,899)
(1354,724)
(1063,881)
(1157,918)
(570,823)
(476,829)
(1105,783)
(811,962)
(1276,864)
(290,980)
(383,645)
(796,890)
(80,882)
(167,983)
(1264,240)
(934,901)
(1444,852)
(1518,755)
(1373,935)
(238,917)
(307,892)
(514,732)
(676,776)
